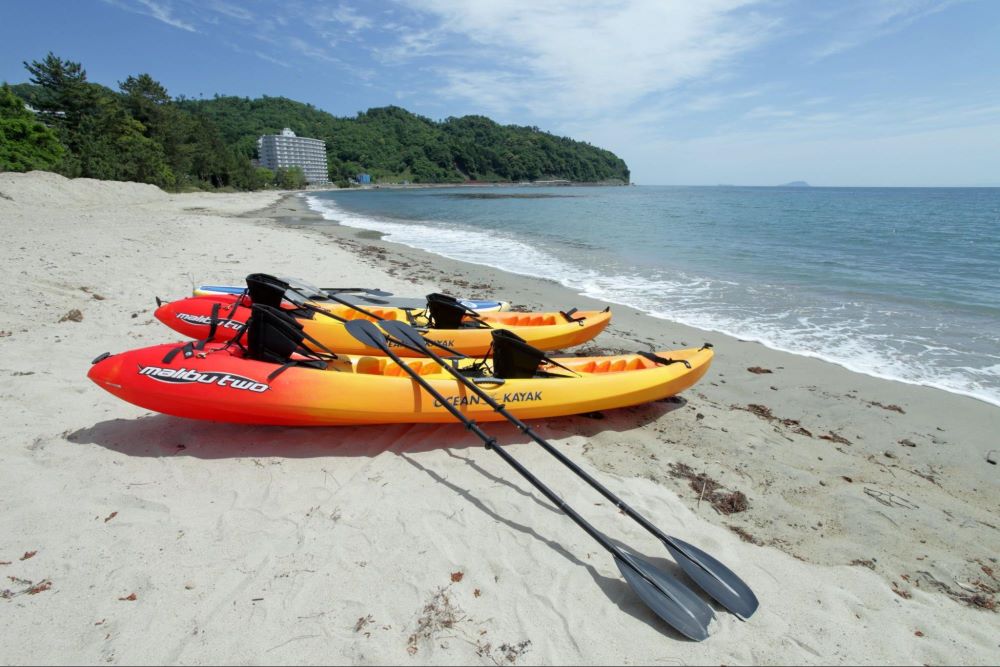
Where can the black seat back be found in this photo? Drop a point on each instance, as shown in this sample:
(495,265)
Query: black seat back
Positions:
(266,290)
(446,312)
(513,357)
(272,335)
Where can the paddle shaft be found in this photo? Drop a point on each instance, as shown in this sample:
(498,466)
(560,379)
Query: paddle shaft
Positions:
(712,576)
(547,446)
(491,444)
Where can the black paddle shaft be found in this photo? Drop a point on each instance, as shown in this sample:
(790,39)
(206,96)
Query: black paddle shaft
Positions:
(343,302)
(491,444)
(668,598)
(711,575)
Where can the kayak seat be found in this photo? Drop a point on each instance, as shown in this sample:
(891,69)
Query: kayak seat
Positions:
(445,312)
(266,290)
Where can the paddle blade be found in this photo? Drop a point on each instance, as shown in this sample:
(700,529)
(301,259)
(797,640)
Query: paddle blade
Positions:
(668,598)
(366,332)
(714,578)
(405,333)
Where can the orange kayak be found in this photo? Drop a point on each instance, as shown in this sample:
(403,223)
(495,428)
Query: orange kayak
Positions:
(219,317)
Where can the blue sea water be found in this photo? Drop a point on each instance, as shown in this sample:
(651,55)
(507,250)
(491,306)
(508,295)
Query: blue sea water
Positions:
(901,283)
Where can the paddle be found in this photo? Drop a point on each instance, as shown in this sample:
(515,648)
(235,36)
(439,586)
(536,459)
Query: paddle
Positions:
(712,576)
(665,595)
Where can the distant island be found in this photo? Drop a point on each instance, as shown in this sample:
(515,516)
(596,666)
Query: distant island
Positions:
(795,184)
(61,122)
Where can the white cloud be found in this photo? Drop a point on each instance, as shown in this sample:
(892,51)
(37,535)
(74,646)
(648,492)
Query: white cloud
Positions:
(349,17)
(870,19)
(164,13)
(583,57)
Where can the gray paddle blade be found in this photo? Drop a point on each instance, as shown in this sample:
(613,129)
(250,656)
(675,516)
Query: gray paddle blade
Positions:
(714,578)
(668,598)
(404,332)
(366,332)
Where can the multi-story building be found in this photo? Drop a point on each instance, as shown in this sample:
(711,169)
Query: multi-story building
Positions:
(281,151)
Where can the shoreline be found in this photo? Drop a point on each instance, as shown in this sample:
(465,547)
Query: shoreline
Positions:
(152,537)
(896,371)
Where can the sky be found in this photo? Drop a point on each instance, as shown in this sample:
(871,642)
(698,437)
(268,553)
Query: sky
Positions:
(706,92)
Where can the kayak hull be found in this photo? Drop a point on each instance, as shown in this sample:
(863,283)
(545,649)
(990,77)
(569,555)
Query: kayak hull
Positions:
(192,317)
(219,384)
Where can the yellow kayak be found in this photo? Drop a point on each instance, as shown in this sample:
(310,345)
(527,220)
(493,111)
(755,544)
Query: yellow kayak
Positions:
(218,317)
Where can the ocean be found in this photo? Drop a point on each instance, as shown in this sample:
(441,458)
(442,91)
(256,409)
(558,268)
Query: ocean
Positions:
(899,283)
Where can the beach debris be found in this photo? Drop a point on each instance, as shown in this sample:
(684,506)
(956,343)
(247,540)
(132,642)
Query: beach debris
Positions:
(975,593)
(28,554)
(765,413)
(5,333)
(905,442)
(30,587)
(847,479)
(918,633)
(42,585)
(110,517)
(362,622)
(759,371)
(457,576)
(890,499)
(863,562)
(709,489)
(991,457)
(72,316)
(438,615)
(833,436)
(476,593)
(93,295)
(892,408)
(744,535)
(132,597)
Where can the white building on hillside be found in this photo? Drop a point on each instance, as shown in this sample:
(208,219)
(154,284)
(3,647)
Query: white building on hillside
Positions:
(281,151)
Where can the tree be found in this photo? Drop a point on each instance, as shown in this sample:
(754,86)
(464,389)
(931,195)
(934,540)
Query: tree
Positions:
(112,146)
(25,143)
(65,97)
(291,178)
(263,177)
(149,103)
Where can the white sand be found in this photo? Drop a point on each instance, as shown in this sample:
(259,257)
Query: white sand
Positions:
(339,545)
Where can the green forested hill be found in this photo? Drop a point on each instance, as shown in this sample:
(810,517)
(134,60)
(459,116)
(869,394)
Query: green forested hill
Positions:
(140,133)
(390,142)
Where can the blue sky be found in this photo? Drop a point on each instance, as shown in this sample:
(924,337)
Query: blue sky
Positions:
(754,92)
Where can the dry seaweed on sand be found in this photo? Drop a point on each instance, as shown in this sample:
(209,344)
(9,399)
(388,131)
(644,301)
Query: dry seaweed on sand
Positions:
(765,413)
(709,490)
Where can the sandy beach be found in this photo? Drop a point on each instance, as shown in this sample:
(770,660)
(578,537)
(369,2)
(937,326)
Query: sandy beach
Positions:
(871,533)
